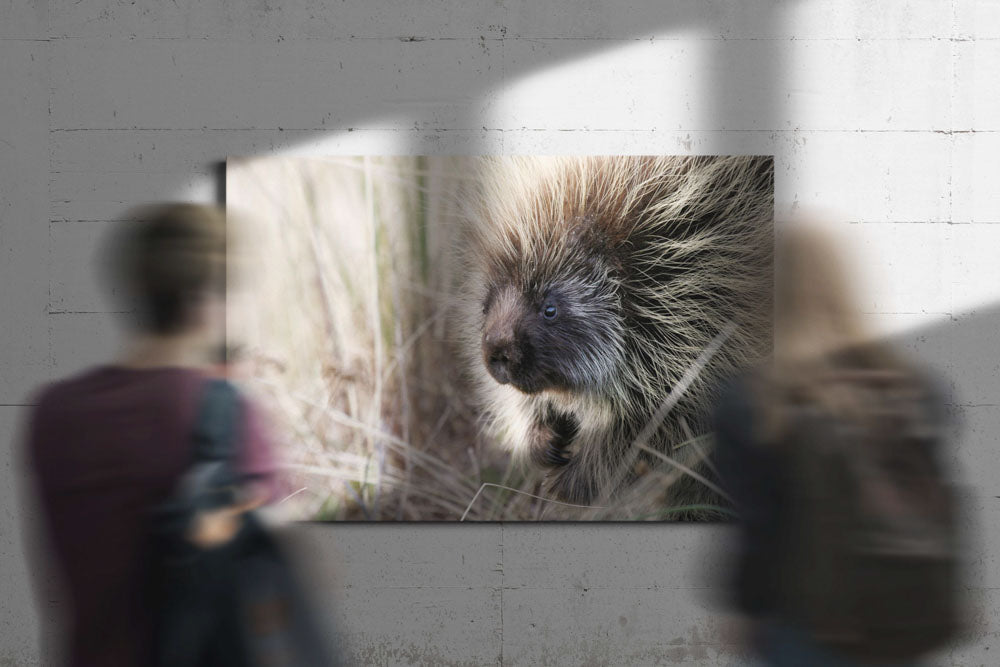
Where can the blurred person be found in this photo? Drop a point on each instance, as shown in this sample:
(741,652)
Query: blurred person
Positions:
(109,447)
(846,552)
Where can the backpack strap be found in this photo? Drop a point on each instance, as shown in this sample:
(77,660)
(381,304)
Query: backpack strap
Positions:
(215,429)
(211,480)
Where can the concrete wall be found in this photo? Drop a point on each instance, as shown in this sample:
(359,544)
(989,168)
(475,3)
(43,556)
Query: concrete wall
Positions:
(888,112)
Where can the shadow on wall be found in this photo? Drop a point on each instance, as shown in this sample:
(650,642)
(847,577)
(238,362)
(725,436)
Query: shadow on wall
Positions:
(458,97)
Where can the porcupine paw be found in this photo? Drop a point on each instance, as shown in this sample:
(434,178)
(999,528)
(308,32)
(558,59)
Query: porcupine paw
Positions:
(551,438)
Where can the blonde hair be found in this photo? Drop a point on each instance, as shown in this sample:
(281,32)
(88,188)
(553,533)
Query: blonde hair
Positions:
(820,337)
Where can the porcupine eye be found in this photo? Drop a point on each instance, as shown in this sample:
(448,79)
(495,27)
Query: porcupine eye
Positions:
(549,311)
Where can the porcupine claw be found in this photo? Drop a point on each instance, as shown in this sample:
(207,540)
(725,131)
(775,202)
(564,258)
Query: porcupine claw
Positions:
(549,451)
(555,456)
(552,439)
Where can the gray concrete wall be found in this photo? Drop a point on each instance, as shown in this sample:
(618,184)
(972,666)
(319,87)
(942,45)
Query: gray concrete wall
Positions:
(886,112)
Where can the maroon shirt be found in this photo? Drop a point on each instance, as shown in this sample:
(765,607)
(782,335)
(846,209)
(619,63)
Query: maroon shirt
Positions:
(106,447)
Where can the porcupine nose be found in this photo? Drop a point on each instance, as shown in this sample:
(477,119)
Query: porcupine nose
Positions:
(502,355)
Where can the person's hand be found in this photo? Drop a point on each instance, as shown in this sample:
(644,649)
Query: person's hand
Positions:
(214,528)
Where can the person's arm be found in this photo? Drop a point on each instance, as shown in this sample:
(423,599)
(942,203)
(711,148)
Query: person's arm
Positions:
(751,473)
(257,465)
(257,459)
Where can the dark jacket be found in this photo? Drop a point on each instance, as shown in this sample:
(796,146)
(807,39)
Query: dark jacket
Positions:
(104,448)
(757,477)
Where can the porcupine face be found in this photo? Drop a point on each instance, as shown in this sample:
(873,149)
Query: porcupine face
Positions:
(554,330)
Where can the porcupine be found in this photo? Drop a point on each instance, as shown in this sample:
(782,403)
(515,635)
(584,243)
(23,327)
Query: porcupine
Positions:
(594,284)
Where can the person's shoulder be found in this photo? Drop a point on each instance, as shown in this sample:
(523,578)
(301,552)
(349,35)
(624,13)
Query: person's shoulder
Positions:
(50,404)
(931,386)
(55,392)
(45,395)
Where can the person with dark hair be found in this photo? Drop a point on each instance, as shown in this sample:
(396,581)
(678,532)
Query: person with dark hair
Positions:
(109,445)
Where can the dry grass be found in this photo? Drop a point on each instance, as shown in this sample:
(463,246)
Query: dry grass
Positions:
(344,307)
